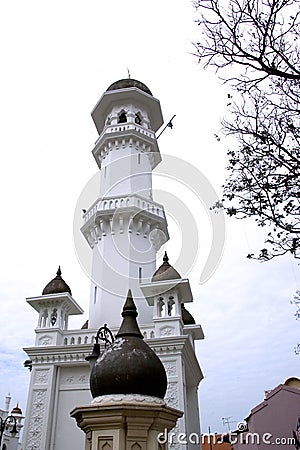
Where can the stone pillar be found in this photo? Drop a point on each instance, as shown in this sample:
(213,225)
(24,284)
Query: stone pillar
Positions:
(126,422)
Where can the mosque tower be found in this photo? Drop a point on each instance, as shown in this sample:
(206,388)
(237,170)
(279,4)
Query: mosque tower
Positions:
(124,228)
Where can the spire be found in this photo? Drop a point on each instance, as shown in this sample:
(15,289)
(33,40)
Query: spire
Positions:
(129,326)
(58,273)
(165,271)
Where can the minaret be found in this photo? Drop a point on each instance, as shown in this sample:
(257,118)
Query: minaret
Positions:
(124,227)
(7,402)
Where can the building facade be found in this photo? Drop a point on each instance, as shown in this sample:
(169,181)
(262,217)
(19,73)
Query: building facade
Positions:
(275,421)
(124,229)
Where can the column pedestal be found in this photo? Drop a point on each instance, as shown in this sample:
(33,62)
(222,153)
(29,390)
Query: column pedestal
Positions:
(128,422)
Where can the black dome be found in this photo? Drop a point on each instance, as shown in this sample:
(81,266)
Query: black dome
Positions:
(165,271)
(57,285)
(129,365)
(128,83)
(187,317)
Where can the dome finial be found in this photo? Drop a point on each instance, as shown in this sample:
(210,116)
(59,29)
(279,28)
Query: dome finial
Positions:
(58,273)
(165,258)
(128,73)
(129,326)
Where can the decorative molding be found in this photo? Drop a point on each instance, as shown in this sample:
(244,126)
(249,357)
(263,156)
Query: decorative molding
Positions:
(172,395)
(166,331)
(105,443)
(41,376)
(136,446)
(149,220)
(56,357)
(83,379)
(36,420)
(170,367)
(75,379)
(45,340)
(128,398)
(132,136)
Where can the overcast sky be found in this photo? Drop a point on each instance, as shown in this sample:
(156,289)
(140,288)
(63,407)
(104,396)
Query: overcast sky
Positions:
(57,59)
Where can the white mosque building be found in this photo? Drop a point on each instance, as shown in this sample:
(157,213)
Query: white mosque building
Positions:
(11,424)
(124,229)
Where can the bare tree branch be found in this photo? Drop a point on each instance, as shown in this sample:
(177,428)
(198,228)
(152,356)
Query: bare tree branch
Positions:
(254,46)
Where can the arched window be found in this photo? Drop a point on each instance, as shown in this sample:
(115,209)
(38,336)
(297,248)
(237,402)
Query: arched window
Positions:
(160,307)
(138,118)
(171,304)
(53,317)
(122,118)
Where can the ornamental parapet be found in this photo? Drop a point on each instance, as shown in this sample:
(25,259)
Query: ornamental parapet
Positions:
(133,136)
(119,203)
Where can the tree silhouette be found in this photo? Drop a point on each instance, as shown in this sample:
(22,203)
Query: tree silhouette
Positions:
(253,45)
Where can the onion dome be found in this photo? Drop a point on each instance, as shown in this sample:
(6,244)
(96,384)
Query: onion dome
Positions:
(165,271)
(57,285)
(187,317)
(128,83)
(16,410)
(129,365)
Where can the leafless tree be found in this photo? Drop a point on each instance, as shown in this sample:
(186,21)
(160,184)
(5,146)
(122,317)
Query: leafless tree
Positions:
(253,45)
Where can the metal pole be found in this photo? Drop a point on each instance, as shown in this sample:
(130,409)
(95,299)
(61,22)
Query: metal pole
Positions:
(169,124)
(1,430)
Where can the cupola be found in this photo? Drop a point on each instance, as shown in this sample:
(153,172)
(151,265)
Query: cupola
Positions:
(126,93)
(165,271)
(57,285)
(167,292)
(128,83)
(54,306)
(16,410)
